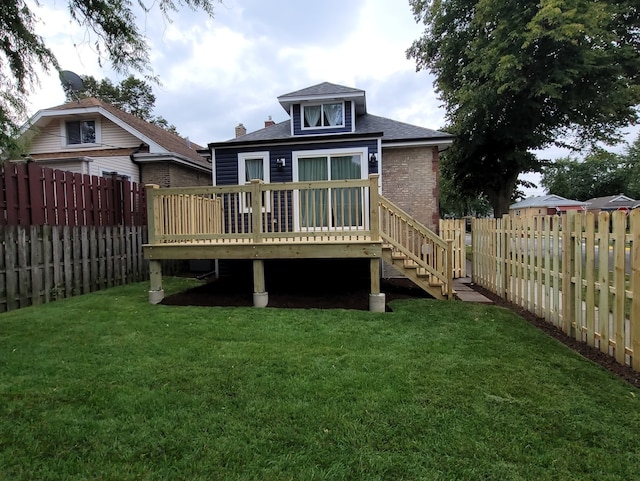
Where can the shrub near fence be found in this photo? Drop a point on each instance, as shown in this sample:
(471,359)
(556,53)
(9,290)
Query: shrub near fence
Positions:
(64,234)
(578,272)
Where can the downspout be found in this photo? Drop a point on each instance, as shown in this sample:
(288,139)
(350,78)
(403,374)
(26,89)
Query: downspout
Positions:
(134,161)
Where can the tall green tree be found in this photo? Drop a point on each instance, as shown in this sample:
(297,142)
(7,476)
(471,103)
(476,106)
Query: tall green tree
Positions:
(599,174)
(132,95)
(516,76)
(110,23)
(632,159)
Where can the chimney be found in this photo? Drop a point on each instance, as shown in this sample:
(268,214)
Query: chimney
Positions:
(240,130)
(269,123)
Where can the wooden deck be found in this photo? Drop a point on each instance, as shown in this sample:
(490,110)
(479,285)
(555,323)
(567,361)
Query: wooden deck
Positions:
(336,219)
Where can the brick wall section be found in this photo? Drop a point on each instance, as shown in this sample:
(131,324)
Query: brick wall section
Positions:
(410,180)
(167,174)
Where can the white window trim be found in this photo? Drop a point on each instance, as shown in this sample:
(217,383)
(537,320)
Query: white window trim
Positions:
(364,174)
(63,133)
(322,127)
(267,177)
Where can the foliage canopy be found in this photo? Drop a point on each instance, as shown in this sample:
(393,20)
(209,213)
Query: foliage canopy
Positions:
(599,174)
(517,76)
(111,23)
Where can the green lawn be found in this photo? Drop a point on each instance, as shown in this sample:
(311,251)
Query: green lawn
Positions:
(108,387)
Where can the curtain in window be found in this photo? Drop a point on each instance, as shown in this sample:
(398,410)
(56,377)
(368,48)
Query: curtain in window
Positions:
(312,115)
(346,202)
(332,114)
(254,169)
(314,211)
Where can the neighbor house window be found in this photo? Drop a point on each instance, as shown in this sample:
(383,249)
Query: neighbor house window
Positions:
(81,132)
(323,115)
(253,166)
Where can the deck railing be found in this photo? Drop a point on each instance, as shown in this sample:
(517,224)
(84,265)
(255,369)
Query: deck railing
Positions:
(299,211)
(345,211)
(418,244)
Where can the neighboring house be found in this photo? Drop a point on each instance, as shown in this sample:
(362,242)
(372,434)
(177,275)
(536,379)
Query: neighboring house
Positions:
(611,202)
(331,136)
(545,205)
(92,137)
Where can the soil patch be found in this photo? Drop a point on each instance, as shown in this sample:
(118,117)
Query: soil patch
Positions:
(325,284)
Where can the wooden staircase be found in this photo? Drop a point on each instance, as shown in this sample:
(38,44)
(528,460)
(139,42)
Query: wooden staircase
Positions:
(416,251)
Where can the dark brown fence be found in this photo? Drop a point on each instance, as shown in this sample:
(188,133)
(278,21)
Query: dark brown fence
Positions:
(64,234)
(34,195)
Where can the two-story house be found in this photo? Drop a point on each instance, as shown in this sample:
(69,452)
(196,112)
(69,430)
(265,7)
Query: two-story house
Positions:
(332,182)
(331,136)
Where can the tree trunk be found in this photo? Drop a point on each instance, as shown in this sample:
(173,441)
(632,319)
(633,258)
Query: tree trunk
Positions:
(500,198)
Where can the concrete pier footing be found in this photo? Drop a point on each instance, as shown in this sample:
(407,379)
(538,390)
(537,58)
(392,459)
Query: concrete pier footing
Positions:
(155,297)
(260,299)
(377,302)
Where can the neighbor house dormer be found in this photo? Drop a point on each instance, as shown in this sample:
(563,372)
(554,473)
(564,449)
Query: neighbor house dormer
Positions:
(325,108)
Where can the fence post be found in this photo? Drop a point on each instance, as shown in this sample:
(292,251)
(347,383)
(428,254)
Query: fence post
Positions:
(568,272)
(634,314)
(449,269)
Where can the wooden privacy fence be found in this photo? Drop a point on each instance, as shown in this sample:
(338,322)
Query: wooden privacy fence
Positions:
(64,234)
(580,272)
(34,195)
(454,229)
(39,264)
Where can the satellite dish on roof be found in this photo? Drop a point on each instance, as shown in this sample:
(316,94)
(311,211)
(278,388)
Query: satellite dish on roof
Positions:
(71,82)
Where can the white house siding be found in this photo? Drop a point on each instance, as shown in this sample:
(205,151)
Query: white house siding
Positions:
(77,167)
(51,138)
(115,136)
(120,164)
(48,140)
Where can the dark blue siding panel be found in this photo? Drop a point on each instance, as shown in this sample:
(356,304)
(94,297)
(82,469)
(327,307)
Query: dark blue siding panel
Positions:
(227,159)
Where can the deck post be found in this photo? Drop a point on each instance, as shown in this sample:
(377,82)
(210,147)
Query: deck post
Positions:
(260,296)
(151,213)
(374,208)
(156,292)
(376,298)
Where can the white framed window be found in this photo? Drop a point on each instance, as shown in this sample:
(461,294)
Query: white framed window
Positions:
(81,132)
(328,208)
(251,166)
(322,116)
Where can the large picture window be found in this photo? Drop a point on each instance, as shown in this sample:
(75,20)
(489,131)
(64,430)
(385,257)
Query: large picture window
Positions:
(323,115)
(335,207)
(81,132)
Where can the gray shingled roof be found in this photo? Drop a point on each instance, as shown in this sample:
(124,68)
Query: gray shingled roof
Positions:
(612,202)
(550,200)
(321,90)
(325,91)
(391,130)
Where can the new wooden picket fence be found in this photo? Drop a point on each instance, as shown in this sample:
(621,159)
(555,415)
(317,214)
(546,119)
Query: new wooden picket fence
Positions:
(454,229)
(64,234)
(580,272)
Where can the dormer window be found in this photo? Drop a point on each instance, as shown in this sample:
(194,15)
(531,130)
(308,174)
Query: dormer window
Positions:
(323,115)
(81,132)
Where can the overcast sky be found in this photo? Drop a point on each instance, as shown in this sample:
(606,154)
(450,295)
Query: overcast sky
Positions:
(216,73)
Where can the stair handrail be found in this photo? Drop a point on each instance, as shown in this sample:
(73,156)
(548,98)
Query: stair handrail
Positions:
(444,275)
